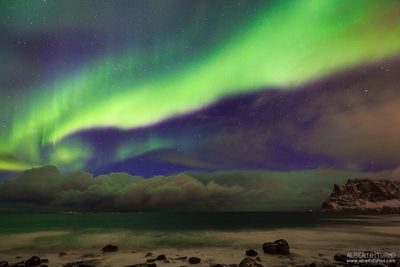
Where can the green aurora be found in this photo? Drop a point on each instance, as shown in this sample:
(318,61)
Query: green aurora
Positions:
(283,44)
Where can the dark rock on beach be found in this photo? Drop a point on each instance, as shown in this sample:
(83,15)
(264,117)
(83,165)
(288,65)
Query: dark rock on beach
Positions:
(3,263)
(151,260)
(280,246)
(149,254)
(251,253)
(33,261)
(249,262)
(161,257)
(340,257)
(110,248)
(194,260)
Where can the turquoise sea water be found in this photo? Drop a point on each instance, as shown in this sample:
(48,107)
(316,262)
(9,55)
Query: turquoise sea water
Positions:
(57,231)
(185,221)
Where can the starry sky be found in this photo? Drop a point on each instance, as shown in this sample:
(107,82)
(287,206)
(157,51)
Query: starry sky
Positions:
(160,87)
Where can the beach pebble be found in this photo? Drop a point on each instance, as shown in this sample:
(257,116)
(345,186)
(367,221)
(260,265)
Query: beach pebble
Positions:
(249,262)
(149,254)
(161,257)
(33,261)
(251,253)
(194,260)
(110,248)
(340,257)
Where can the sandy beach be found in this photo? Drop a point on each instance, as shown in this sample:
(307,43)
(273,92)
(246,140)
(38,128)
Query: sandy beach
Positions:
(307,245)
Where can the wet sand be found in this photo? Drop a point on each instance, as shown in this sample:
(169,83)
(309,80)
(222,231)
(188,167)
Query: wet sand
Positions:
(307,245)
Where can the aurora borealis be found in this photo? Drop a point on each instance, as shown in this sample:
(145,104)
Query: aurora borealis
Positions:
(159,87)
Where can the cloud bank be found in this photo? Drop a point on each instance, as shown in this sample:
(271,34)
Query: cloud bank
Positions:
(46,188)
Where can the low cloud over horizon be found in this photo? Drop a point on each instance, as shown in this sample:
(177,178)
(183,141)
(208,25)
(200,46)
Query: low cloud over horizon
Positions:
(47,188)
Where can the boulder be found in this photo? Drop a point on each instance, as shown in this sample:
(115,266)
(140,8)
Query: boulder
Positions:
(110,248)
(280,246)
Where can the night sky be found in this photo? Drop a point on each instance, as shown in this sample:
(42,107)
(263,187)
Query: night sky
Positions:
(162,87)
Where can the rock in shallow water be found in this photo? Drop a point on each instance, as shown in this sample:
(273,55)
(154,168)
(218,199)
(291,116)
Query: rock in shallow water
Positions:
(280,246)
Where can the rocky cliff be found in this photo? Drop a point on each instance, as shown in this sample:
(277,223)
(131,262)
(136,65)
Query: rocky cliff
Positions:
(363,195)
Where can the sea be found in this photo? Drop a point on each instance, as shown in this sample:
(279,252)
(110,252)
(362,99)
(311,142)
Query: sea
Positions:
(74,230)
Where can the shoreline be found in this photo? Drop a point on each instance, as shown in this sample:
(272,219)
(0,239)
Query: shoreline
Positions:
(307,246)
